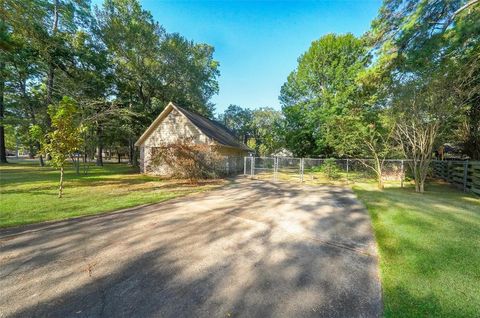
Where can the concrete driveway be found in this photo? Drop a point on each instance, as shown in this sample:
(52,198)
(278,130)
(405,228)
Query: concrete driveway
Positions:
(251,249)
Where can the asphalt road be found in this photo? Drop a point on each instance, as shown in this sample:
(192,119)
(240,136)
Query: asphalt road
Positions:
(251,249)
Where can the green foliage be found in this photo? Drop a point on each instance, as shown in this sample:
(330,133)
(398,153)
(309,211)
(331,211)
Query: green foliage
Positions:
(239,120)
(330,168)
(259,129)
(322,87)
(119,65)
(266,128)
(65,138)
(434,44)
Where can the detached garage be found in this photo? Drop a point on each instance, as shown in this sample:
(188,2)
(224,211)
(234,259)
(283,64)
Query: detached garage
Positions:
(178,125)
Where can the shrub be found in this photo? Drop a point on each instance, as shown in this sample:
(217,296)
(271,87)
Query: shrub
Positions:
(187,160)
(330,169)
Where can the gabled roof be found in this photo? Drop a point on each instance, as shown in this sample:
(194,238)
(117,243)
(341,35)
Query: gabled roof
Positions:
(212,129)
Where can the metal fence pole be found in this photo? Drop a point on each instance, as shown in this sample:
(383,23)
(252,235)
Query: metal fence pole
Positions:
(402,176)
(347,170)
(244,166)
(301,169)
(275,168)
(465,174)
(252,163)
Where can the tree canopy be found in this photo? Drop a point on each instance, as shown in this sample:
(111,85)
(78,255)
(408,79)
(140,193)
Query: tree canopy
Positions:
(416,72)
(118,64)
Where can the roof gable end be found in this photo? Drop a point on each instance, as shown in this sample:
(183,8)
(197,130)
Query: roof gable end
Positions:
(212,129)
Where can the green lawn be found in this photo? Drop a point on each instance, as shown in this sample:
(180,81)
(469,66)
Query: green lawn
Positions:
(28,193)
(429,248)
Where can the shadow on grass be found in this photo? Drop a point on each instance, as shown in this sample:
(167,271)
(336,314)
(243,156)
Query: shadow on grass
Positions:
(133,183)
(221,255)
(429,250)
(18,174)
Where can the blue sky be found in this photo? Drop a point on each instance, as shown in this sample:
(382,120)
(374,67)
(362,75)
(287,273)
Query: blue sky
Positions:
(258,42)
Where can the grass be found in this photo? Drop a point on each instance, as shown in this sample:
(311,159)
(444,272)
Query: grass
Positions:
(319,178)
(429,247)
(429,244)
(28,193)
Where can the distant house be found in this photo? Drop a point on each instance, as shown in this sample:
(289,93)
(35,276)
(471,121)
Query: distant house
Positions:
(176,123)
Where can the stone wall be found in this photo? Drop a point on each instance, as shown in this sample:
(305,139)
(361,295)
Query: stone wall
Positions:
(174,127)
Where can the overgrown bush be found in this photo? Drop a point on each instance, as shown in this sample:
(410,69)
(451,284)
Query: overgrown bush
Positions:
(187,160)
(330,169)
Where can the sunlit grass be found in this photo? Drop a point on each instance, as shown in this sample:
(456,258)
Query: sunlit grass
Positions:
(429,247)
(28,193)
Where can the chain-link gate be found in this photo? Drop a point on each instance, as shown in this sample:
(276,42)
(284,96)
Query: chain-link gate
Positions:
(324,171)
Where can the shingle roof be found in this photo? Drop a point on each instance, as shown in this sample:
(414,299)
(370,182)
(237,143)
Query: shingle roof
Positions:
(214,130)
(210,128)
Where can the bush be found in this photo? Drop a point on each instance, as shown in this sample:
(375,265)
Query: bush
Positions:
(187,160)
(330,169)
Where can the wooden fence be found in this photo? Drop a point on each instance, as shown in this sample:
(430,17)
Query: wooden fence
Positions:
(463,174)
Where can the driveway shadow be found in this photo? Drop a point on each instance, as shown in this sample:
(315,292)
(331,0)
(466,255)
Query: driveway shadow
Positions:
(251,249)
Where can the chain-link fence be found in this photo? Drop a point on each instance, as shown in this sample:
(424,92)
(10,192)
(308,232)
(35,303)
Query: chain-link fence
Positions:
(325,171)
(229,166)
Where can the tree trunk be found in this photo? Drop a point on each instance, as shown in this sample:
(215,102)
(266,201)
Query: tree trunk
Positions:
(50,80)
(99,161)
(41,161)
(380,183)
(60,189)
(118,157)
(134,153)
(472,144)
(131,148)
(378,168)
(3,151)
(51,64)
(416,176)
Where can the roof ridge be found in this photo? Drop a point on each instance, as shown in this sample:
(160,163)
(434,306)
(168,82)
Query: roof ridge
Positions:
(221,134)
(212,120)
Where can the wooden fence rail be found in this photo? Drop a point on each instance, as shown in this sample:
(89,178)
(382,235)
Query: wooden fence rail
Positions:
(463,174)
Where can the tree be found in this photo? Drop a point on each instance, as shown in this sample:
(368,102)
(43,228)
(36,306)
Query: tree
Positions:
(367,134)
(266,130)
(421,39)
(260,129)
(422,110)
(65,138)
(153,67)
(3,153)
(189,74)
(322,86)
(239,120)
(41,59)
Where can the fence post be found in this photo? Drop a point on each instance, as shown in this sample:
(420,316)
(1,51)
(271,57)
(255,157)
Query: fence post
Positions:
(347,170)
(402,175)
(244,166)
(275,168)
(228,167)
(301,169)
(252,169)
(449,171)
(465,174)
